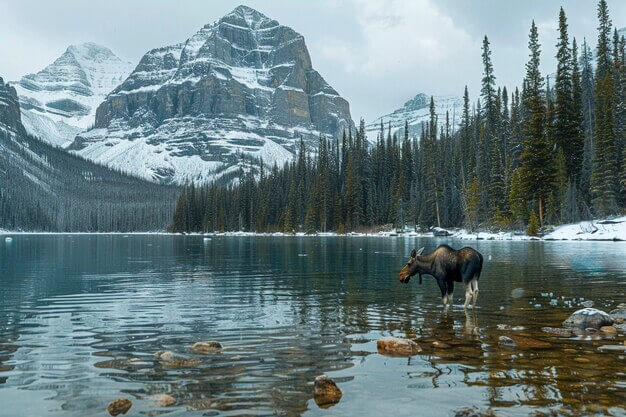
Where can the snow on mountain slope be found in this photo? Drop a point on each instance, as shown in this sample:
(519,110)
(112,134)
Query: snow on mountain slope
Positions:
(416,111)
(61,100)
(240,89)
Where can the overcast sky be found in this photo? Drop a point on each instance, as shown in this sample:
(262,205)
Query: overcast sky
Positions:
(377,54)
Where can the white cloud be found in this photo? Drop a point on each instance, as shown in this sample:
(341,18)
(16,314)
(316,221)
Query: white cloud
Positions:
(398,36)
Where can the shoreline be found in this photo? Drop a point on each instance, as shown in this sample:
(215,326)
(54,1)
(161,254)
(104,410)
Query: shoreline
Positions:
(601,230)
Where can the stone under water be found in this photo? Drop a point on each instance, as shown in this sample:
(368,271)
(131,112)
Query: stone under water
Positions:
(119,406)
(326,392)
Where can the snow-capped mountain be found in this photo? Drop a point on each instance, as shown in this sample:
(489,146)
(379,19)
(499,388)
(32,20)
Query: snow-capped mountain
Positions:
(61,100)
(43,187)
(241,88)
(416,111)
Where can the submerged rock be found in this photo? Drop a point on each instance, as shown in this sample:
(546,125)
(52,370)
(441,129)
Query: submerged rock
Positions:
(162,400)
(325,391)
(119,406)
(588,318)
(441,345)
(608,329)
(208,347)
(559,331)
(517,293)
(619,314)
(395,346)
(173,360)
(612,348)
(506,341)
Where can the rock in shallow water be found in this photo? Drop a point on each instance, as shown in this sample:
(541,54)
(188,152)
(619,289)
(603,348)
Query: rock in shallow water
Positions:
(558,331)
(173,360)
(588,318)
(325,391)
(208,347)
(612,348)
(162,400)
(506,341)
(619,314)
(608,329)
(119,406)
(395,346)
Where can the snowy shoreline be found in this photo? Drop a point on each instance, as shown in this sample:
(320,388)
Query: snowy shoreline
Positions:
(594,230)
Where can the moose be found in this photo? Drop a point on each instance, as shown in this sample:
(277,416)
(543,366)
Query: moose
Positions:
(447,266)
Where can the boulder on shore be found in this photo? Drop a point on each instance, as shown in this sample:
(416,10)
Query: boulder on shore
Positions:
(326,393)
(208,347)
(396,346)
(119,406)
(588,318)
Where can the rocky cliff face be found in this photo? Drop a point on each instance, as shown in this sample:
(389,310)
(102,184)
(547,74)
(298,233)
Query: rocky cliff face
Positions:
(10,120)
(61,100)
(239,89)
(416,111)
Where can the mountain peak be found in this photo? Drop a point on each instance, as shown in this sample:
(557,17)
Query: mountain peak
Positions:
(246,15)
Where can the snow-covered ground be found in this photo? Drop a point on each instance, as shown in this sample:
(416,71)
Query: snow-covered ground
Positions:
(607,229)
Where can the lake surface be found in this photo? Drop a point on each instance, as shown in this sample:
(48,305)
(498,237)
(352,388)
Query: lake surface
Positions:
(81,317)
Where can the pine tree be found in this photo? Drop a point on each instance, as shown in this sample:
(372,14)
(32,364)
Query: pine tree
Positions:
(517,199)
(577,141)
(536,158)
(604,171)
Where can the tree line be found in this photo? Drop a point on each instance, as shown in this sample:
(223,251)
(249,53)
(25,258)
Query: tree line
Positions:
(549,152)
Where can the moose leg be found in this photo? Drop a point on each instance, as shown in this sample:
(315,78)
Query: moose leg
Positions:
(442,287)
(474,293)
(449,291)
(468,294)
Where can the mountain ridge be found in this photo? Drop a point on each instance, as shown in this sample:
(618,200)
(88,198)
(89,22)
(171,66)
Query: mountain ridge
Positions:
(60,101)
(238,90)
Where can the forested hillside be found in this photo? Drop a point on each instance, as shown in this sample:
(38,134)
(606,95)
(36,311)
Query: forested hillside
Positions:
(544,153)
(43,188)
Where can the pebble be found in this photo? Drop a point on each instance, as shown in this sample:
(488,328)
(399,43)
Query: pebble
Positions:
(608,329)
(441,345)
(581,360)
(326,393)
(173,360)
(558,331)
(208,347)
(119,406)
(613,348)
(162,400)
(506,341)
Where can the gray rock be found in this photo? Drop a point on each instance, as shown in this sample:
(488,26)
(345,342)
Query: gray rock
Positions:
(612,348)
(243,86)
(618,314)
(588,318)
(558,331)
(506,341)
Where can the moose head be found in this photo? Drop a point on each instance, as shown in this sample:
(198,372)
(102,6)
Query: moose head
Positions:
(411,268)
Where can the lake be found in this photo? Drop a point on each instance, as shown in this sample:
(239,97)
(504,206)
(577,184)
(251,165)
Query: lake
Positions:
(81,317)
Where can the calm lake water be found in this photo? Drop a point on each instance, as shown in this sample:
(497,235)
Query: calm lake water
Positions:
(81,317)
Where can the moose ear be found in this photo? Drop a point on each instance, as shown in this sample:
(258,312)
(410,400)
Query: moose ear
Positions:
(419,252)
(413,253)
